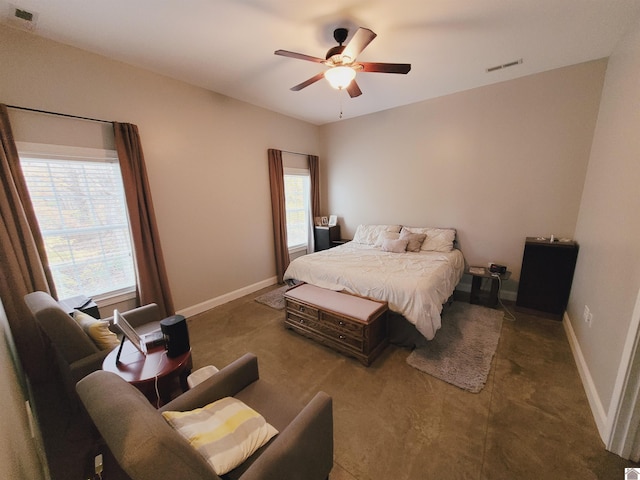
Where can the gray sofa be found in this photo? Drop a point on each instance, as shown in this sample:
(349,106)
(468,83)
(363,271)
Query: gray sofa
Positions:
(76,354)
(148,448)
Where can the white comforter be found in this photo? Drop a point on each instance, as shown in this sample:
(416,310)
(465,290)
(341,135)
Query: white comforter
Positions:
(415,284)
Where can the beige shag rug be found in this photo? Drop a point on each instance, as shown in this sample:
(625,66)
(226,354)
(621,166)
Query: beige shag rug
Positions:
(274,298)
(463,348)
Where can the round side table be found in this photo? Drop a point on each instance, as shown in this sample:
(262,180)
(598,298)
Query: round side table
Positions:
(156,375)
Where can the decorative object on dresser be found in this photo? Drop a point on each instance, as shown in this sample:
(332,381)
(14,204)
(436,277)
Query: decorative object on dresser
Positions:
(352,325)
(326,237)
(547,274)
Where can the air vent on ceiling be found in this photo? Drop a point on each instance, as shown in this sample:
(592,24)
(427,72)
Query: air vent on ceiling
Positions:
(20,17)
(505,65)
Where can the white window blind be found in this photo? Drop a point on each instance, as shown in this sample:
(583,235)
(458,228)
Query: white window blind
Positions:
(80,206)
(297,200)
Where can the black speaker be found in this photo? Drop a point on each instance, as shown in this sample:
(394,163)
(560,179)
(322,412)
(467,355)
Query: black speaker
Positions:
(176,335)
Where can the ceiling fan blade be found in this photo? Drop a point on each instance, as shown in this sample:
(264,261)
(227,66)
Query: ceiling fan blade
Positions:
(358,43)
(308,82)
(354,89)
(299,56)
(385,67)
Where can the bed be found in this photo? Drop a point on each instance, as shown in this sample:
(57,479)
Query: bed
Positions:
(378,264)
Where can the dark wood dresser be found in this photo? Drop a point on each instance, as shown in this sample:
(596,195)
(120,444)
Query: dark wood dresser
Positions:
(546,276)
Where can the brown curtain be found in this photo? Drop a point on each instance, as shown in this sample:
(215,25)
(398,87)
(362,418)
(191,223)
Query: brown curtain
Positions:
(315,185)
(23,261)
(278,208)
(151,276)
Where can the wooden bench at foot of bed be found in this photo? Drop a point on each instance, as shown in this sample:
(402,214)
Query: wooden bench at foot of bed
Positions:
(352,325)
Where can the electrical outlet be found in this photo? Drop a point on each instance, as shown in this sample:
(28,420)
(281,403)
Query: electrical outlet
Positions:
(98,465)
(587,316)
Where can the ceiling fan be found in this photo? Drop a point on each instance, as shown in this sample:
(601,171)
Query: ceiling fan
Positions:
(342,64)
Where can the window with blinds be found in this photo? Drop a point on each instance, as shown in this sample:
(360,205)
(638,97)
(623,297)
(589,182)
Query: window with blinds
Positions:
(80,206)
(297,199)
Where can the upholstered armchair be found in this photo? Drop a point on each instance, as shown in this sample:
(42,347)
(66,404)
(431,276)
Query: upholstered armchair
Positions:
(76,353)
(147,447)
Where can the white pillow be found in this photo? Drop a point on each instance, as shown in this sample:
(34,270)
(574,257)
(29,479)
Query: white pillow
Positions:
(368,234)
(386,236)
(225,432)
(438,239)
(395,246)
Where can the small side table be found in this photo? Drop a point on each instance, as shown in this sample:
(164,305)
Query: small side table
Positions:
(154,372)
(82,303)
(483,297)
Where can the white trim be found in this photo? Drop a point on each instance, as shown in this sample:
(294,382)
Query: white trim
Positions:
(117,296)
(66,152)
(304,172)
(298,248)
(624,409)
(597,409)
(227,297)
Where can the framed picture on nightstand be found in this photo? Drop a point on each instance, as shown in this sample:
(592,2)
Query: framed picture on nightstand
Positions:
(333,220)
(325,221)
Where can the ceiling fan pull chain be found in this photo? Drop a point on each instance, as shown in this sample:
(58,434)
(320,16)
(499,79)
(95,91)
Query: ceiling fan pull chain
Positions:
(340,100)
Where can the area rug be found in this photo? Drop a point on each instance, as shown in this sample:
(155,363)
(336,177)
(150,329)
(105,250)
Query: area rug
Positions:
(462,350)
(274,298)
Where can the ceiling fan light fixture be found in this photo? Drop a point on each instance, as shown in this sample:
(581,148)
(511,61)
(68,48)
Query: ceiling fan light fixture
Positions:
(340,77)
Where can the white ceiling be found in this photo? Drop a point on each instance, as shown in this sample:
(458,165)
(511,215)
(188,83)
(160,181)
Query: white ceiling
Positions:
(227,45)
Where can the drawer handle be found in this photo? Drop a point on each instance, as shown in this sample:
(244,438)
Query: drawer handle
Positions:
(301,320)
(301,308)
(341,323)
(341,337)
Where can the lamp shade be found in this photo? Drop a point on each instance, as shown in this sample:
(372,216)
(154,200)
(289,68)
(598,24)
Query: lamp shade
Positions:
(340,77)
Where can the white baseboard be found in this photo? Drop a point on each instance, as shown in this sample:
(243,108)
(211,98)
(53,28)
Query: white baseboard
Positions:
(597,409)
(227,297)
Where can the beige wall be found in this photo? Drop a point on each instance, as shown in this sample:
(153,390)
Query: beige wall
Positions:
(206,157)
(499,163)
(607,276)
(18,449)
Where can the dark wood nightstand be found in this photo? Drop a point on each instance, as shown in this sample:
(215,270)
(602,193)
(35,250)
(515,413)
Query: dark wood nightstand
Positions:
(326,237)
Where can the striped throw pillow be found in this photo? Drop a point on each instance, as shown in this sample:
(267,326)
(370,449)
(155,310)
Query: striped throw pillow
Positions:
(225,432)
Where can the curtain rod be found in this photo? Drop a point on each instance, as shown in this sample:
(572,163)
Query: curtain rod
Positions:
(58,114)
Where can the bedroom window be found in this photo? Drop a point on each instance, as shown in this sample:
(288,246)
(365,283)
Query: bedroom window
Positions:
(78,198)
(297,189)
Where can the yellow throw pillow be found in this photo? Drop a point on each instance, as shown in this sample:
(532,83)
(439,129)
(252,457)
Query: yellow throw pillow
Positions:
(97,330)
(225,432)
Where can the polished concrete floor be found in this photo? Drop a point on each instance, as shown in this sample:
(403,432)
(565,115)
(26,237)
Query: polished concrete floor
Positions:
(531,420)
